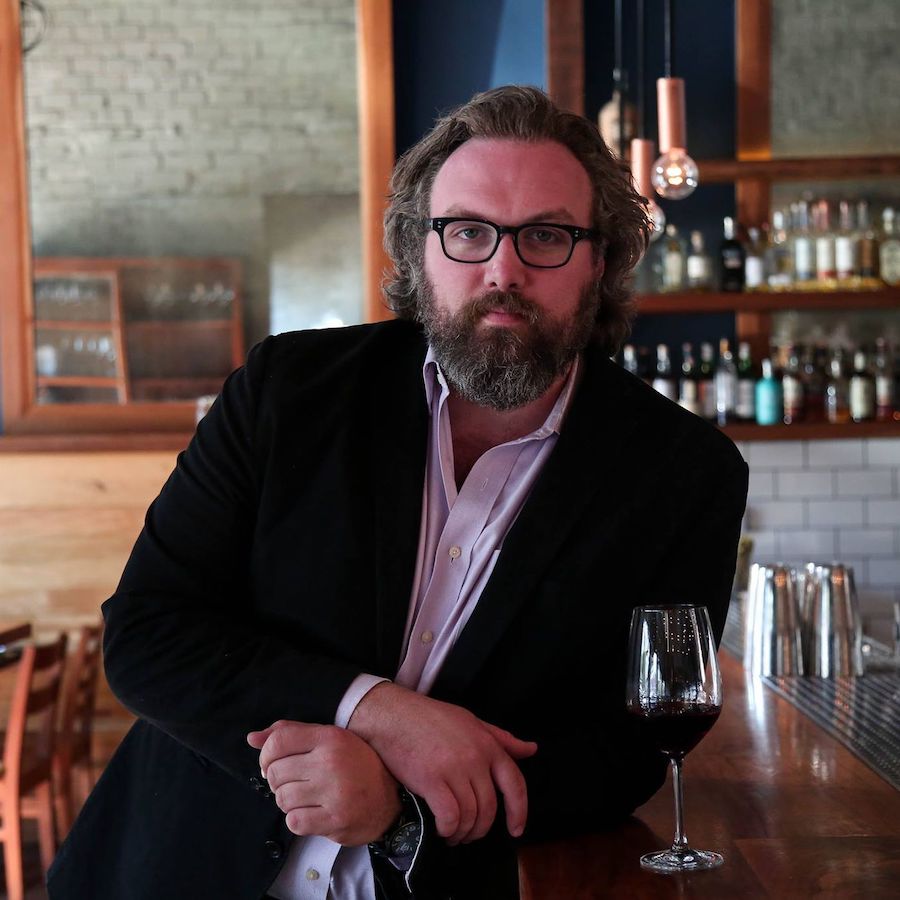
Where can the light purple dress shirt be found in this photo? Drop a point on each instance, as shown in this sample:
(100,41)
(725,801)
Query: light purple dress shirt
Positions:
(460,537)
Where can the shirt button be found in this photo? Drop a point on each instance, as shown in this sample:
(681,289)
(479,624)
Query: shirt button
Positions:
(427,637)
(312,875)
(454,552)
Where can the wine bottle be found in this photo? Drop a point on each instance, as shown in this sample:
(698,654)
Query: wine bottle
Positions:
(663,380)
(731,258)
(862,390)
(726,381)
(769,405)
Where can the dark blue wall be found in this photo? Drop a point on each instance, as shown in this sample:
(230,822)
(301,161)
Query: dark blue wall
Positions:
(444,52)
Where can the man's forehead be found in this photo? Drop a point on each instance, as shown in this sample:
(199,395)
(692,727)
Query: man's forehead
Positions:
(528,176)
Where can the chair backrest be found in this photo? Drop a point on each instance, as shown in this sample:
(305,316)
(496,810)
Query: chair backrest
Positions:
(13,635)
(80,692)
(33,709)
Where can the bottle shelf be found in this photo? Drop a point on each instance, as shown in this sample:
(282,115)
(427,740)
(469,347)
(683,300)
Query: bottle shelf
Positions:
(179,324)
(767,301)
(813,431)
(77,381)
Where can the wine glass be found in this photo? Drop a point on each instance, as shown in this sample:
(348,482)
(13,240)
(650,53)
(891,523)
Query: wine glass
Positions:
(674,692)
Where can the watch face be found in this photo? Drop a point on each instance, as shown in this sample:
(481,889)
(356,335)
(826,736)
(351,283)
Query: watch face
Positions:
(405,840)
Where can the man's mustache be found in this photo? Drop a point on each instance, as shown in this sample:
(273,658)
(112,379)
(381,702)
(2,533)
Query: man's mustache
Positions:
(504,301)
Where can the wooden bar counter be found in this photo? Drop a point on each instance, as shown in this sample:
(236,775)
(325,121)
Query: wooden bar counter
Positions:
(795,814)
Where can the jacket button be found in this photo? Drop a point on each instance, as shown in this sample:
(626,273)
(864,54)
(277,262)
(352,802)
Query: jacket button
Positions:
(273,848)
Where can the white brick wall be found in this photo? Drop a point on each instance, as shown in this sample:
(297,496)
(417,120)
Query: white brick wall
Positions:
(831,500)
(144,120)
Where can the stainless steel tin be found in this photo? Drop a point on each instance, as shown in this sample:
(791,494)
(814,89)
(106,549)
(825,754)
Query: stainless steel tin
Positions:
(772,637)
(832,628)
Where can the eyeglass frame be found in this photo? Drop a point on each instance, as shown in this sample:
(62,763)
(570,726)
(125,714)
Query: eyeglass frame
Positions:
(576,232)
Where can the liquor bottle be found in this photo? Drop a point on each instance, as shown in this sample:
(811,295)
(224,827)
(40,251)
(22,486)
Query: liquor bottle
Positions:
(868,247)
(826,270)
(745,402)
(889,252)
(672,261)
(689,385)
(779,262)
(884,382)
(663,380)
(706,384)
(802,245)
(846,243)
(754,263)
(769,405)
(699,265)
(792,389)
(630,360)
(862,390)
(837,405)
(731,259)
(726,381)
(812,365)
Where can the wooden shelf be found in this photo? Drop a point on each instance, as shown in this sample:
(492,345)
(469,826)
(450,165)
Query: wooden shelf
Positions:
(86,381)
(187,324)
(143,442)
(76,324)
(813,431)
(768,301)
(830,168)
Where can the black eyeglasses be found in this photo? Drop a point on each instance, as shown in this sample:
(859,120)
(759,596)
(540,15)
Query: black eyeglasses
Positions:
(544,245)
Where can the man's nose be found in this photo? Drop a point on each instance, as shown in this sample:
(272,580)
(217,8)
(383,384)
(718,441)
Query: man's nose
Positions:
(504,271)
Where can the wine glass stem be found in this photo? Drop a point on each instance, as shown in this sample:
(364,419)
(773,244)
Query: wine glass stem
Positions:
(680,837)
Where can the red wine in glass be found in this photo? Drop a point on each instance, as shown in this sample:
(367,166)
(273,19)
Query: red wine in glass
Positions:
(674,694)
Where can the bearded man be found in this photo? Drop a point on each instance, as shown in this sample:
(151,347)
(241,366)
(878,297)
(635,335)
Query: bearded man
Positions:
(375,625)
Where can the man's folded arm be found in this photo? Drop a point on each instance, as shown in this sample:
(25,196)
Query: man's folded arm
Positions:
(183,648)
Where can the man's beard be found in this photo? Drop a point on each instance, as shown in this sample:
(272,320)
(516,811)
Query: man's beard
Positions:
(505,367)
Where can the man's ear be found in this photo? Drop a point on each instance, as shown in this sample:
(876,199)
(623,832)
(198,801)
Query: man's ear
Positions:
(599,268)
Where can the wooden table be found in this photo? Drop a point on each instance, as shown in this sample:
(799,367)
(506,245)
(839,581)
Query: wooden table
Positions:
(795,814)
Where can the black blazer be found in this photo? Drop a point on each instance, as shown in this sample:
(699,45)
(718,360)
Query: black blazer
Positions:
(277,564)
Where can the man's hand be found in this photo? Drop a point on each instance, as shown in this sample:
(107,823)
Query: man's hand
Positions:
(450,757)
(327,781)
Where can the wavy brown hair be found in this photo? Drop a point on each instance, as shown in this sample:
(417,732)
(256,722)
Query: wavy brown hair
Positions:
(522,114)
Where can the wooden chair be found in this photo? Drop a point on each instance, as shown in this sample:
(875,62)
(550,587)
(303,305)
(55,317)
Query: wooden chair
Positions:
(26,777)
(73,753)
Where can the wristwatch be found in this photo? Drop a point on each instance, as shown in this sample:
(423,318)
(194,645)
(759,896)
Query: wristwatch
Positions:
(400,842)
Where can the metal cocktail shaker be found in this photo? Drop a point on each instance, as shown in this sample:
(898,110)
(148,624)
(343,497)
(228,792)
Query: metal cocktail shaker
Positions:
(772,641)
(832,628)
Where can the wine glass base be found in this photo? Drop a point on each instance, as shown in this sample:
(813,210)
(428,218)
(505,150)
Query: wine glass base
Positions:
(683,859)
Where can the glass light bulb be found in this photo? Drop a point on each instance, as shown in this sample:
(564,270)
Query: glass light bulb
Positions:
(674,175)
(658,218)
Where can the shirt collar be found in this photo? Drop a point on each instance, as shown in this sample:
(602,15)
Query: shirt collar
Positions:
(435,381)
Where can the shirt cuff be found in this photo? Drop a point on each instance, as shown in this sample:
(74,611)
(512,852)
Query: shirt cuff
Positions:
(359,687)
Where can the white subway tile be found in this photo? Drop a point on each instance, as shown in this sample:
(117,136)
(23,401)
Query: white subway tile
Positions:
(799,547)
(884,572)
(865,483)
(835,513)
(775,514)
(804,484)
(762,485)
(765,546)
(883,512)
(870,542)
(883,452)
(834,453)
(775,454)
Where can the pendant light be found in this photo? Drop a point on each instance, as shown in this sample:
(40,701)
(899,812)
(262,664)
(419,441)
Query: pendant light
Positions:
(674,174)
(641,148)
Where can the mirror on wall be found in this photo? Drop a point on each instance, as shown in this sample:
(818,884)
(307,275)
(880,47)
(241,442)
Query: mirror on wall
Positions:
(193,176)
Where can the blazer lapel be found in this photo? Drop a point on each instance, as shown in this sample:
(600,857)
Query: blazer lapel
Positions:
(586,459)
(399,417)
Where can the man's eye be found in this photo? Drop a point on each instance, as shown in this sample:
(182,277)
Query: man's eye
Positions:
(544,235)
(468,232)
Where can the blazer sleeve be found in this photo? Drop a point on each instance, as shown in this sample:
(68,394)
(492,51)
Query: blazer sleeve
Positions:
(183,647)
(599,770)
